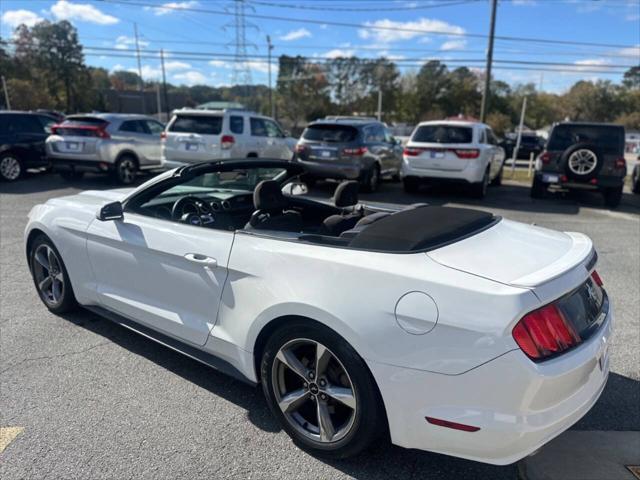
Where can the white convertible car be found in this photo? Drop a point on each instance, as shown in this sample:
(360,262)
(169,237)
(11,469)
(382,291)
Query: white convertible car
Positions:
(450,330)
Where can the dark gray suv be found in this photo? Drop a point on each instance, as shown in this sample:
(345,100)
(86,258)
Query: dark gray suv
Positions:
(349,148)
(584,156)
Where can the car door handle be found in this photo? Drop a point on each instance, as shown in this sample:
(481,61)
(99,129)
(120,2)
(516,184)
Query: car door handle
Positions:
(202,260)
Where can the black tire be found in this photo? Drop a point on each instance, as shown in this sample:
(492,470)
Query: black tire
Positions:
(612,196)
(369,418)
(371,180)
(11,167)
(635,180)
(538,188)
(67,300)
(497,181)
(71,175)
(589,150)
(479,190)
(410,185)
(126,170)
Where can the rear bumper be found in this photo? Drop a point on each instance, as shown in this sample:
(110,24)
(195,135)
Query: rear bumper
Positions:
(601,183)
(68,164)
(472,173)
(517,404)
(324,170)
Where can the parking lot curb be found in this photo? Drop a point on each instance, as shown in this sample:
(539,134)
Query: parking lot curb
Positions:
(585,455)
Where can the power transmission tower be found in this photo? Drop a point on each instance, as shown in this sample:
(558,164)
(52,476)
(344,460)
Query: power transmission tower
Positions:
(241,73)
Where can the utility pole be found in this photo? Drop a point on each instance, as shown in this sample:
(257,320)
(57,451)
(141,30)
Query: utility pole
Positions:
(271,104)
(164,84)
(6,94)
(158,105)
(141,83)
(379,104)
(487,81)
(519,137)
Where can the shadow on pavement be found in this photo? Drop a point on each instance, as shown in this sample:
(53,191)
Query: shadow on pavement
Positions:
(381,461)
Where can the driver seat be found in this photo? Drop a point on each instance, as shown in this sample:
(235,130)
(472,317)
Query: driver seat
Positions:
(271,209)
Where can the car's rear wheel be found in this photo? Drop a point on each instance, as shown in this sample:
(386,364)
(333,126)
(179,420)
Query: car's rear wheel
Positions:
(479,190)
(538,188)
(321,391)
(71,175)
(635,180)
(371,180)
(126,169)
(50,276)
(497,181)
(613,196)
(11,168)
(410,185)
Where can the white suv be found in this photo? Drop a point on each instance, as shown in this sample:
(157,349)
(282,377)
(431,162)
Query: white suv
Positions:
(452,151)
(194,136)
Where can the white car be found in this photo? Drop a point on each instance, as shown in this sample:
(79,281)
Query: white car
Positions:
(355,322)
(197,135)
(452,151)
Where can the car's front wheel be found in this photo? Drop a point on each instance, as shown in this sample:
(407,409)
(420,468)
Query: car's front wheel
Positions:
(126,169)
(50,276)
(371,180)
(479,190)
(321,391)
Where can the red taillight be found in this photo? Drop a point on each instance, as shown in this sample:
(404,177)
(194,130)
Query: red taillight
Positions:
(163,136)
(355,152)
(454,425)
(545,157)
(102,133)
(596,278)
(545,332)
(54,129)
(412,152)
(620,163)
(301,148)
(466,152)
(227,142)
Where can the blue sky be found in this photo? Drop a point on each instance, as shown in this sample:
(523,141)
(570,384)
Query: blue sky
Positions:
(196,39)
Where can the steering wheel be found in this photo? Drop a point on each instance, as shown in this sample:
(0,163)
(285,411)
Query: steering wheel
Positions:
(188,205)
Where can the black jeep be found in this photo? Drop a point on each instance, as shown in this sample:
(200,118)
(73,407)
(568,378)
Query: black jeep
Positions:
(587,156)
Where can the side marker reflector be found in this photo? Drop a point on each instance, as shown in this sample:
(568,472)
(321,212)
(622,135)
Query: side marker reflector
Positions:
(454,425)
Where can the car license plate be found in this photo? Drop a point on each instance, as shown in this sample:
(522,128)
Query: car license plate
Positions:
(72,145)
(436,154)
(325,154)
(547,178)
(192,147)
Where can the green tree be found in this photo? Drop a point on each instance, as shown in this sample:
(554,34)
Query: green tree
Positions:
(631,78)
(432,87)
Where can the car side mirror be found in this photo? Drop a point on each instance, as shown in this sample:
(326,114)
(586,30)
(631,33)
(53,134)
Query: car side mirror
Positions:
(110,211)
(295,188)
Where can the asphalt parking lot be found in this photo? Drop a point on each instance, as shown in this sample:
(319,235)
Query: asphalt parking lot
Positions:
(97,401)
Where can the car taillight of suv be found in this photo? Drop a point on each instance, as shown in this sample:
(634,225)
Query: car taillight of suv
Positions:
(563,324)
(81,130)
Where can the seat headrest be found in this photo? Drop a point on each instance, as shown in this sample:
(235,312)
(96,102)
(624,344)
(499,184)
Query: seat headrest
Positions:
(346,194)
(268,196)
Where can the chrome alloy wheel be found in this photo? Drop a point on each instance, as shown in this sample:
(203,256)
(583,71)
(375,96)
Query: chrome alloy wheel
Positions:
(47,271)
(314,390)
(582,162)
(10,167)
(126,170)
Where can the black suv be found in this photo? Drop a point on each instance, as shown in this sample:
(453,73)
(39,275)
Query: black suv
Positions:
(349,148)
(22,136)
(529,143)
(587,156)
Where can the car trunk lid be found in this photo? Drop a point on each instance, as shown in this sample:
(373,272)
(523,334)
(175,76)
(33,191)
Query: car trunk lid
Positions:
(435,156)
(193,138)
(520,255)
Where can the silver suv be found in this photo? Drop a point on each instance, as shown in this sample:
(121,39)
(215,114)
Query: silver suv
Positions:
(105,142)
(195,135)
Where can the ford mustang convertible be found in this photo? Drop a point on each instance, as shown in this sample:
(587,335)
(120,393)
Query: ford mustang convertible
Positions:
(444,329)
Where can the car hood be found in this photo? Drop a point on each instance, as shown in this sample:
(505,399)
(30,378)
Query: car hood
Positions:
(516,254)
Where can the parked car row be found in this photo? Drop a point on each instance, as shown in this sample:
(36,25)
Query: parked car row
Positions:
(577,155)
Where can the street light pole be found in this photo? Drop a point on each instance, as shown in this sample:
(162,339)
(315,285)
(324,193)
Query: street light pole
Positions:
(141,86)
(487,80)
(271,104)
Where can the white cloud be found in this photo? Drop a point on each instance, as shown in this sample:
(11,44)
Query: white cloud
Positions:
(632,17)
(82,12)
(220,64)
(394,31)
(166,8)
(524,2)
(13,18)
(453,45)
(123,43)
(260,66)
(631,51)
(597,64)
(338,52)
(296,35)
(324,26)
(390,56)
(191,77)
(176,65)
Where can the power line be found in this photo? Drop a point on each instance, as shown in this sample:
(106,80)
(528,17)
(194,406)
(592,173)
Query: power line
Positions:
(298,6)
(373,27)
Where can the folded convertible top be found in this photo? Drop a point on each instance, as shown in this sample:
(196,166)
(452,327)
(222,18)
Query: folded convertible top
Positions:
(422,229)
